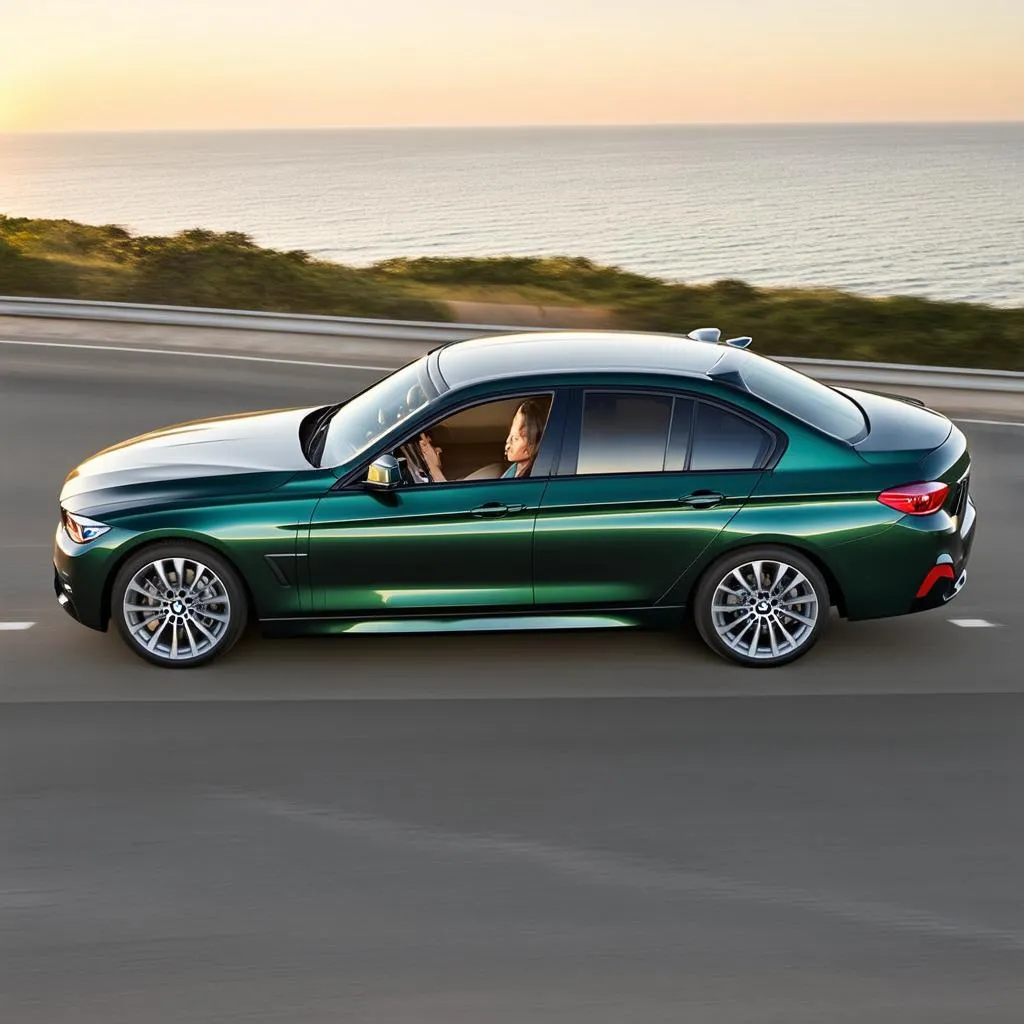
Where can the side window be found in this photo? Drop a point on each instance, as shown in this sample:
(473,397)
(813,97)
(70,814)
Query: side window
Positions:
(623,433)
(723,440)
(484,442)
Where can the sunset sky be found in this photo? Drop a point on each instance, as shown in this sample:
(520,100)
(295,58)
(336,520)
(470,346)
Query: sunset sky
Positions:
(161,64)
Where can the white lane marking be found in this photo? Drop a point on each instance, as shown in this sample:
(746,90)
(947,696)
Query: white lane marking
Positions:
(590,867)
(974,623)
(992,423)
(16,625)
(196,355)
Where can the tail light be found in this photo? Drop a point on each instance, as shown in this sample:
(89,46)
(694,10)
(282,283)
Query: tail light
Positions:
(916,499)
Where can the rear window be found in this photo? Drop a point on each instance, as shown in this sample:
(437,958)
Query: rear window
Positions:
(801,396)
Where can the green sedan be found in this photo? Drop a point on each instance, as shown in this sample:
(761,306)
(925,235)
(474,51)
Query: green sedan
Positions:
(532,481)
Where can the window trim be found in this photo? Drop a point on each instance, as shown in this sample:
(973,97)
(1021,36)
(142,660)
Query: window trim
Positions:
(547,456)
(689,434)
(569,459)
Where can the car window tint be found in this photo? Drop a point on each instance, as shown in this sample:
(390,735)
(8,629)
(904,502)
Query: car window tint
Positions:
(623,433)
(723,440)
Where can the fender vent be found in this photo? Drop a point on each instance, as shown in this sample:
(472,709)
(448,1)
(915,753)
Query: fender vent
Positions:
(284,568)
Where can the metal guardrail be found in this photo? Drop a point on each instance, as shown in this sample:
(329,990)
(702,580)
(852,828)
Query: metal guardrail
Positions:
(249,320)
(909,375)
(353,328)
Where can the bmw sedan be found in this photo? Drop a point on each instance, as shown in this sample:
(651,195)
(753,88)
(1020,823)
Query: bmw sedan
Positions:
(534,481)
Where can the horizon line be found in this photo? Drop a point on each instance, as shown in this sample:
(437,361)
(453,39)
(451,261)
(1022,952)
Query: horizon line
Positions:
(524,126)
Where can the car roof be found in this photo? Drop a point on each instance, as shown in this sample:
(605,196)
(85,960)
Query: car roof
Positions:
(469,362)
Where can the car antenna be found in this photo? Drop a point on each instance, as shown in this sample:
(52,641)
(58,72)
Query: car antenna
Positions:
(712,335)
(706,334)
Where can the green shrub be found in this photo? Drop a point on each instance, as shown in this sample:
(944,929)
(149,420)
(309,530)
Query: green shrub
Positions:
(32,276)
(579,279)
(66,238)
(200,268)
(193,268)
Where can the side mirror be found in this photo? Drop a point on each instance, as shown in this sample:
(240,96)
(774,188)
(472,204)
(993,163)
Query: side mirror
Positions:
(384,474)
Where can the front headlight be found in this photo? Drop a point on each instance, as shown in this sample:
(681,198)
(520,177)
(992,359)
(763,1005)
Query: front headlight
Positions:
(80,529)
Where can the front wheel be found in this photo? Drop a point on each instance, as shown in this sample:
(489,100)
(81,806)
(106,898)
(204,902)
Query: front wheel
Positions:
(178,605)
(761,606)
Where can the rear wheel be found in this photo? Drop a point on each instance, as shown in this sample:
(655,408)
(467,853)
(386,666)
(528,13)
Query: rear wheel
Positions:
(178,605)
(761,606)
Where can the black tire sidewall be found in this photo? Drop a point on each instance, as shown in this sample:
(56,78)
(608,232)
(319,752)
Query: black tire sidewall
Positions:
(704,594)
(181,549)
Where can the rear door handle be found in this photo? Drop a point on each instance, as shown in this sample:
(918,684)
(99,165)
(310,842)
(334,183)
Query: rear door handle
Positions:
(702,499)
(495,510)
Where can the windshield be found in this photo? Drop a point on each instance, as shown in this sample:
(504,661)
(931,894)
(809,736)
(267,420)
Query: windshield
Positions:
(361,421)
(799,395)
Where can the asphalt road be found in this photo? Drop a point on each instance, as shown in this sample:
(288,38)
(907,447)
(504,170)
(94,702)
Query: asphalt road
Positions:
(585,827)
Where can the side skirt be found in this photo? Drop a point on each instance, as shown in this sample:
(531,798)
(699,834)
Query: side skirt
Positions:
(623,618)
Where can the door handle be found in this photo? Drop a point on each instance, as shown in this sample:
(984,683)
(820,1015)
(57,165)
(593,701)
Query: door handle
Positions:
(702,499)
(494,510)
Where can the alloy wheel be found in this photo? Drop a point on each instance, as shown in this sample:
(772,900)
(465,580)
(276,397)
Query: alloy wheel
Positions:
(176,609)
(765,610)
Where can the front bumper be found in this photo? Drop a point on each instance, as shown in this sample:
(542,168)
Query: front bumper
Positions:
(64,589)
(80,575)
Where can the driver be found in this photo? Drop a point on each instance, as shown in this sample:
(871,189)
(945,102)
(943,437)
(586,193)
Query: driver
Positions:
(521,445)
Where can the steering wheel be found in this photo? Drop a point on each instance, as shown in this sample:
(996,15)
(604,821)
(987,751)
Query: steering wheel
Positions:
(414,458)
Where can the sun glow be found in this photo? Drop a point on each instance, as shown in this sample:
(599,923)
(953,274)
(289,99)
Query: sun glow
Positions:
(168,64)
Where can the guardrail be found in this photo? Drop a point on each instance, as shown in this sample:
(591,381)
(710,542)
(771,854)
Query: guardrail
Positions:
(250,320)
(428,334)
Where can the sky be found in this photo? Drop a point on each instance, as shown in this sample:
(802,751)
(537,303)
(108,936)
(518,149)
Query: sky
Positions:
(113,65)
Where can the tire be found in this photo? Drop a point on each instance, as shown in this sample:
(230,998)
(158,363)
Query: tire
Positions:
(178,604)
(765,626)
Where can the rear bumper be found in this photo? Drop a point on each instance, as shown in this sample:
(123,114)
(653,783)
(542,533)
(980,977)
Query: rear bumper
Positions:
(941,591)
(948,576)
(919,564)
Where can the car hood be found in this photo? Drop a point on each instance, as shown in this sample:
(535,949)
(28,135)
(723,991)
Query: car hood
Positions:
(261,442)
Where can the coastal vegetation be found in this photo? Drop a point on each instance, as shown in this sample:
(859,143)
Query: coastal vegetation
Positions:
(60,258)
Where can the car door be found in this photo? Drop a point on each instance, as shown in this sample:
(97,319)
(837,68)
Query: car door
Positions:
(452,547)
(647,481)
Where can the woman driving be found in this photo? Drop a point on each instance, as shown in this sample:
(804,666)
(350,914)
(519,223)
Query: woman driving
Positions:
(521,445)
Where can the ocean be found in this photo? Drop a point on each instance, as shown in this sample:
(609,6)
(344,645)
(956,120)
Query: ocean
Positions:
(929,210)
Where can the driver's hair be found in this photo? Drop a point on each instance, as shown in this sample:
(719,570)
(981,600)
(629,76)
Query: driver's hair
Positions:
(534,418)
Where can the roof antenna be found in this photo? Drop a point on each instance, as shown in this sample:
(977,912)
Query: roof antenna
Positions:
(708,334)
(712,336)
